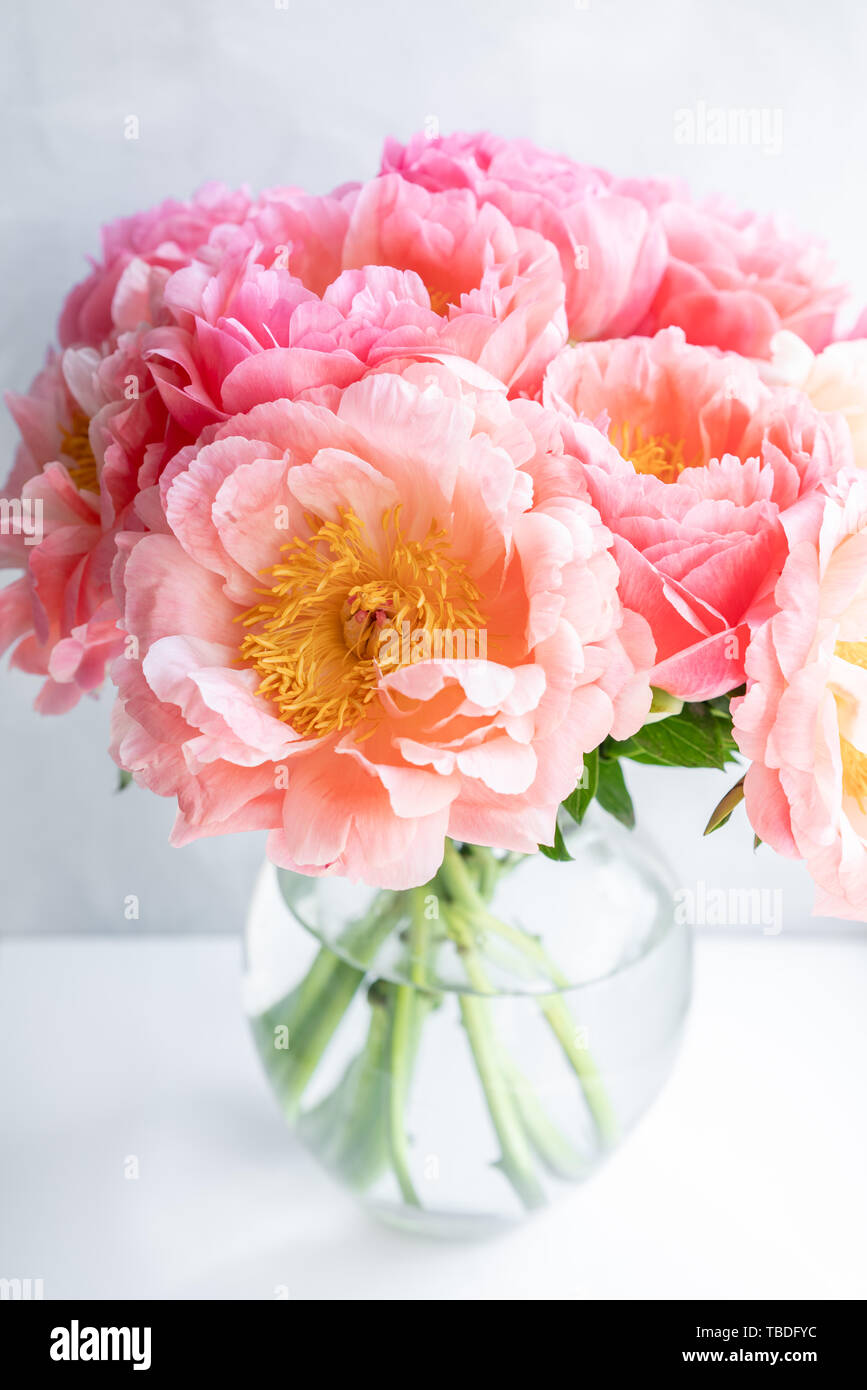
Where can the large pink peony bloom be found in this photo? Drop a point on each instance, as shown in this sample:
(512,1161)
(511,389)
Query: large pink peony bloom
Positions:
(497,284)
(244,333)
(734,279)
(254,319)
(287,624)
(611,247)
(651,258)
(709,476)
(138,254)
(94,432)
(803,720)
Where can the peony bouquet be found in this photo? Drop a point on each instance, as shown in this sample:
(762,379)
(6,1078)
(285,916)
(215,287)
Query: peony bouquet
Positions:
(402,519)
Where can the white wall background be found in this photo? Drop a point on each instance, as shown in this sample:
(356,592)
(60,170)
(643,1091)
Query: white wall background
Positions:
(250,91)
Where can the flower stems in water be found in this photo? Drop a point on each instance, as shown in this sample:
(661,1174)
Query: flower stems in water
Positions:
(410,1006)
(348,1129)
(518,1116)
(516,1158)
(360,1127)
(298,1029)
(553,1006)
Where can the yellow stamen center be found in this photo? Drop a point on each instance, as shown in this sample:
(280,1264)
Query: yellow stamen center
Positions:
(317,637)
(853,652)
(654,453)
(854,761)
(75,445)
(440,300)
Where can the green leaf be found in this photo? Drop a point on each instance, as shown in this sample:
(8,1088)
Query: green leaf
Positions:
(558,850)
(697,737)
(123,779)
(722,812)
(613,793)
(576,803)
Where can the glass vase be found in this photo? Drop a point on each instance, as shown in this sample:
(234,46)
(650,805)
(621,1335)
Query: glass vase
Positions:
(460,1054)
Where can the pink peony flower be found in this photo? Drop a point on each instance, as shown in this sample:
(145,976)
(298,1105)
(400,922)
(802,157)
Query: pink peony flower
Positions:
(246,334)
(139,253)
(734,279)
(245,330)
(803,720)
(303,233)
(611,247)
(94,432)
(637,254)
(485,165)
(497,285)
(706,479)
(287,624)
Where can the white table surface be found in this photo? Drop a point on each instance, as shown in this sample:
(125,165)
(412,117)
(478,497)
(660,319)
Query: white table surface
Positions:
(745,1180)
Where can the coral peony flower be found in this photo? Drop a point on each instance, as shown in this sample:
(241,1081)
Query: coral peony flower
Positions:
(139,253)
(734,279)
(94,432)
(246,334)
(803,720)
(296,231)
(707,477)
(369,626)
(245,330)
(497,285)
(834,380)
(610,243)
(637,255)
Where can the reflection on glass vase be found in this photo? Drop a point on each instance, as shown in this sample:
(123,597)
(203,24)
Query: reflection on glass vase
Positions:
(460,1053)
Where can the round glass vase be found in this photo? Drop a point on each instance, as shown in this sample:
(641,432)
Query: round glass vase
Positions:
(460,1054)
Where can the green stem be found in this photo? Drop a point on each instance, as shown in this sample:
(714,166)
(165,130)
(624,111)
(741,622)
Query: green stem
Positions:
(363,1123)
(555,1151)
(348,1129)
(317,1030)
(561,1022)
(560,1019)
(401,1028)
(516,1157)
(410,1006)
(553,1006)
(491,867)
(321,1000)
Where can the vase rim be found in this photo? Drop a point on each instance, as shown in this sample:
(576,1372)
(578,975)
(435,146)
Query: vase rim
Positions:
(663,926)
